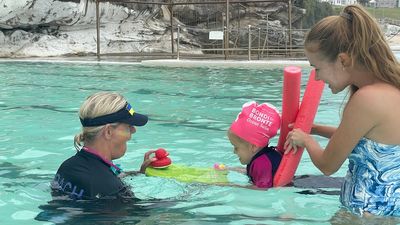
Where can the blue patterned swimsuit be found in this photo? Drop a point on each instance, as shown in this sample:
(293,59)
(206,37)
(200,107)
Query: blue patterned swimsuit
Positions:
(372,183)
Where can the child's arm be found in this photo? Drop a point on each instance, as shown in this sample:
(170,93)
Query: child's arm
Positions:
(236,168)
(242,170)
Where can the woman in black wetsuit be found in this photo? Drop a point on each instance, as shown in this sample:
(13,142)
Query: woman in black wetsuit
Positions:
(108,122)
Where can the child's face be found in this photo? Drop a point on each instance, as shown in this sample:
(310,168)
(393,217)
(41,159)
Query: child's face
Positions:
(242,149)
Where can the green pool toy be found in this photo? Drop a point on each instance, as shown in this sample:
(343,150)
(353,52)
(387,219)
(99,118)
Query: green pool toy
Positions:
(190,174)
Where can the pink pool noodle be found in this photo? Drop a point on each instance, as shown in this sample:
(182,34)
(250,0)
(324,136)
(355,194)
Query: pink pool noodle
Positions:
(290,101)
(304,121)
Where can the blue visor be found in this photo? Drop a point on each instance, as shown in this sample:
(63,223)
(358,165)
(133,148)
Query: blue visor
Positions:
(125,115)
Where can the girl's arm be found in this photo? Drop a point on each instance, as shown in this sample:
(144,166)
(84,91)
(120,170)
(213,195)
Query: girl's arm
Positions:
(237,169)
(320,130)
(323,130)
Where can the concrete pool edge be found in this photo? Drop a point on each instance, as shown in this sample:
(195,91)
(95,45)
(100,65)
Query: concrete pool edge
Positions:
(220,63)
(224,63)
(168,62)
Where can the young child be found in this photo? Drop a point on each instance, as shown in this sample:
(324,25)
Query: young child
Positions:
(249,134)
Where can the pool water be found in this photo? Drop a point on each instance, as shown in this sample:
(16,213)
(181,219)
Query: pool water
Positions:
(190,110)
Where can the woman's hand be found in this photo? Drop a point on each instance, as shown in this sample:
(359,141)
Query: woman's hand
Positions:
(314,128)
(147,160)
(295,139)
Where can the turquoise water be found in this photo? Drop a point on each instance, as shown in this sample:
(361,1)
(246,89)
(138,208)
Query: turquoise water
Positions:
(190,110)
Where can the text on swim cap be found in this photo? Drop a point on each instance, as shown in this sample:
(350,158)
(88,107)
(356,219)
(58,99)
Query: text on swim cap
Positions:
(257,116)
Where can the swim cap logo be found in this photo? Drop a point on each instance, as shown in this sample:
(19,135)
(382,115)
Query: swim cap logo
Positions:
(260,119)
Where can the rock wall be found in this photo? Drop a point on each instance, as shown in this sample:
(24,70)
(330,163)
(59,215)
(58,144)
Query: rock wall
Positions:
(54,28)
(42,28)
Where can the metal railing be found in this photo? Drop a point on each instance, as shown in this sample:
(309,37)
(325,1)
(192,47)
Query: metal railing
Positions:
(256,43)
(232,44)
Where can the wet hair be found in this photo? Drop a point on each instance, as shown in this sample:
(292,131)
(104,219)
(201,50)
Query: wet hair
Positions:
(98,104)
(358,34)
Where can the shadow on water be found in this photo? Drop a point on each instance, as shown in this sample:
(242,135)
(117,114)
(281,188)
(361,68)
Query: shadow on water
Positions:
(178,210)
(344,217)
(13,172)
(100,211)
(142,212)
(108,211)
(168,211)
(318,184)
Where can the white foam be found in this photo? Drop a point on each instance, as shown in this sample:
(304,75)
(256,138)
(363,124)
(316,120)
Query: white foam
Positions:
(37,172)
(28,154)
(231,109)
(69,137)
(203,121)
(4,139)
(189,141)
(24,215)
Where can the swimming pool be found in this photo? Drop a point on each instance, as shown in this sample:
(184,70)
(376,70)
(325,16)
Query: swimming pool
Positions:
(190,110)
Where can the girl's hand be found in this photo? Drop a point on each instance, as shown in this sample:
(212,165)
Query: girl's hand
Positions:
(295,139)
(147,160)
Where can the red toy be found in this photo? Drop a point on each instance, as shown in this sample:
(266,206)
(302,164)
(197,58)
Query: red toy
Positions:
(162,159)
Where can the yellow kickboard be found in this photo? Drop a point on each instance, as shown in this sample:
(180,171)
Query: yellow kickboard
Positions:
(190,174)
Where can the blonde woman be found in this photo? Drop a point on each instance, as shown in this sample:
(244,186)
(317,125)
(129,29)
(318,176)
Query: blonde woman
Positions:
(350,50)
(108,122)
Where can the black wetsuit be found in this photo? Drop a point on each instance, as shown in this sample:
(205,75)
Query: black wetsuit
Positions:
(87,176)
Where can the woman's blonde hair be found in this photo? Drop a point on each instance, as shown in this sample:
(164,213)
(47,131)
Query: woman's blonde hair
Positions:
(98,104)
(358,34)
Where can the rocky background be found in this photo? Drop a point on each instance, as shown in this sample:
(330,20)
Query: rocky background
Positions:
(43,28)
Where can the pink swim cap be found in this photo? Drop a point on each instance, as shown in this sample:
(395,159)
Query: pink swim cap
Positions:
(256,124)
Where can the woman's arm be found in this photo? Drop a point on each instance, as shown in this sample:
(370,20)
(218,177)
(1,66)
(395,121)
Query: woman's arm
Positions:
(146,163)
(359,117)
(320,130)
(147,160)
(323,130)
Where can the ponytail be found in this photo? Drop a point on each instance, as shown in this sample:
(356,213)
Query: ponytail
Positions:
(87,136)
(78,140)
(358,34)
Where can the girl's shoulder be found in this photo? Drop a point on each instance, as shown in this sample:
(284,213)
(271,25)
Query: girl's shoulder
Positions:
(376,95)
(377,89)
(375,108)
